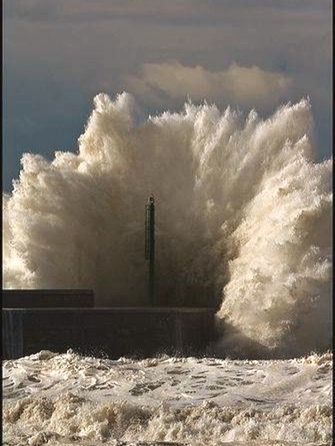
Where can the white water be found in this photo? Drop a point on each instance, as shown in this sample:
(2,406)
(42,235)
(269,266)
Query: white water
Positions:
(69,399)
(243,214)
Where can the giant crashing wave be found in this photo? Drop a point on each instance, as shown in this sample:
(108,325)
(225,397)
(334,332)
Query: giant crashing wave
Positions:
(243,219)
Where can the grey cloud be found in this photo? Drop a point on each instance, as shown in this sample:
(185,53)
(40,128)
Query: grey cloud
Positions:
(31,10)
(172,12)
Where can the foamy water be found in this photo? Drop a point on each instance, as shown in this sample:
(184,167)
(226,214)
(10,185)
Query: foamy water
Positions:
(243,215)
(70,399)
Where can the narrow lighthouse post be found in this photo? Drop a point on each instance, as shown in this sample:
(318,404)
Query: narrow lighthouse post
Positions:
(150,246)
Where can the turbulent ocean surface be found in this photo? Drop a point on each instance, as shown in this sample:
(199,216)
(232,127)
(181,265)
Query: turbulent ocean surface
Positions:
(243,223)
(59,399)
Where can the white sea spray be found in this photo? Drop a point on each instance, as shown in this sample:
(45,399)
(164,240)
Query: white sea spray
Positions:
(243,215)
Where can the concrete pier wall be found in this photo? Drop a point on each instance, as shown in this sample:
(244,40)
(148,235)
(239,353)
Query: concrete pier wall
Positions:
(47,298)
(115,332)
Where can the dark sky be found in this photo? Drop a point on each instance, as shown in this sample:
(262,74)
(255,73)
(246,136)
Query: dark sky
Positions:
(58,54)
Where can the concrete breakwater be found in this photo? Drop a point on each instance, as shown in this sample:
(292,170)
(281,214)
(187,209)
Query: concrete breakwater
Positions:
(63,321)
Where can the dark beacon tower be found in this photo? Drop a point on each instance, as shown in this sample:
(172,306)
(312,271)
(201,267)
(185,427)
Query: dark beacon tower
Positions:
(150,247)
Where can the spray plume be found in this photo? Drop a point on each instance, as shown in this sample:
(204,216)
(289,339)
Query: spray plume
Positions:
(243,214)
